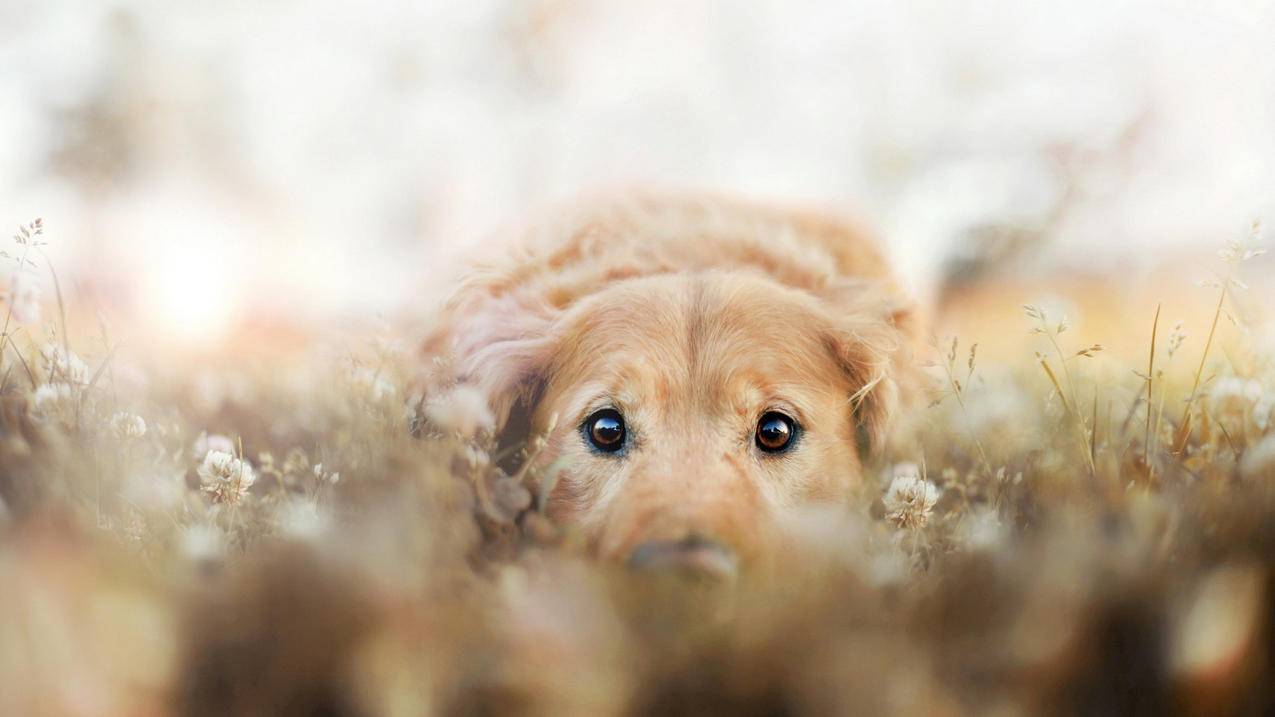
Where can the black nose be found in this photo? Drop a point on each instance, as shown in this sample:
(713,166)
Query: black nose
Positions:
(693,556)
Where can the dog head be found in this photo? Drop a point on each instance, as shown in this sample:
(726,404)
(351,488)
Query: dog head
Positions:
(683,411)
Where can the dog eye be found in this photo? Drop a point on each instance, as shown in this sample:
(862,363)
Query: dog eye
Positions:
(775,432)
(605,430)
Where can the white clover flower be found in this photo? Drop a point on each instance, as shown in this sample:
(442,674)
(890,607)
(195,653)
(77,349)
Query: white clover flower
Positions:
(225,477)
(61,365)
(50,398)
(23,298)
(910,499)
(202,543)
(372,383)
(463,410)
(211,442)
(128,425)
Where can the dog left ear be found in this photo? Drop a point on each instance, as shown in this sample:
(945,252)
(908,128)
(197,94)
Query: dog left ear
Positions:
(498,345)
(872,338)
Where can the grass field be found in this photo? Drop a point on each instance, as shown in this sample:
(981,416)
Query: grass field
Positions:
(1063,530)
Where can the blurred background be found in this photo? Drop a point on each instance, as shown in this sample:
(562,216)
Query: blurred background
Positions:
(205,166)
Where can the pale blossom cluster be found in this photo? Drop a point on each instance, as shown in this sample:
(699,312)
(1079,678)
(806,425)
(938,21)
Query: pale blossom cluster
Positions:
(910,499)
(128,425)
(62,365)
(64,372)
(462,410)
(225,477)
(50,398)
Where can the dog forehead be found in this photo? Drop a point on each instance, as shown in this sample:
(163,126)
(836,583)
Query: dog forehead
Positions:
(710,329)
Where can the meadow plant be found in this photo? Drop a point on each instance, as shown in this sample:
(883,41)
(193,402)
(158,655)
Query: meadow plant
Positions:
(319,536)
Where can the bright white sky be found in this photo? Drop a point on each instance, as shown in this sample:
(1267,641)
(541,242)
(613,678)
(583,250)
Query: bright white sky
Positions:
(199,160)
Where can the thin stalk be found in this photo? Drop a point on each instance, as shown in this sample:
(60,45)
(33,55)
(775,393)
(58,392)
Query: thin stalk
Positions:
(1184,428)
(1074,413)
(969,426)
(1146,448)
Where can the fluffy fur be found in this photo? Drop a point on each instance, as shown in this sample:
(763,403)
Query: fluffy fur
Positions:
(692,317)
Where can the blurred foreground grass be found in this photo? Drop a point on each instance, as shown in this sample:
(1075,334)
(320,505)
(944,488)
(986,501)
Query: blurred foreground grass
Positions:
(1057,533)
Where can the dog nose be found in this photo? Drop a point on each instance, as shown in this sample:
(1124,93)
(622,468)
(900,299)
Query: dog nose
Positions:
(693,556)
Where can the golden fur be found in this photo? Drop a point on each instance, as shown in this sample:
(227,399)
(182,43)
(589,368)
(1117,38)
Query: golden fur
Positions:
(691,316)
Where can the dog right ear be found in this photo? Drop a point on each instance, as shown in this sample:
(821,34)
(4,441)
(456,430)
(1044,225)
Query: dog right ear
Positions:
(874,332)
(494,345)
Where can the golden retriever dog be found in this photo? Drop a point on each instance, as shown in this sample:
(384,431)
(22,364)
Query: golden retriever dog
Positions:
(695,365)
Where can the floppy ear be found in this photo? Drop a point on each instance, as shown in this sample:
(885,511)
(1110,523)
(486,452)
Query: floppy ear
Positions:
(497,342)
(873,333)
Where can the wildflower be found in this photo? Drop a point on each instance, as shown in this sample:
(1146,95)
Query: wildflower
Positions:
(62,365)
(211,442)
(463,411)
(23,297)
(128,425)
(225,477)
(910,498)
(49,398)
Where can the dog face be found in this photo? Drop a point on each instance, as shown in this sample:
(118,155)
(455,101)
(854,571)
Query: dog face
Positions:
(695,409)
(694,369)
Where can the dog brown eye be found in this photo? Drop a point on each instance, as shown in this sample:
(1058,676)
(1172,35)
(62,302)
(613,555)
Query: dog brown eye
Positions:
(605,430)
(775,432)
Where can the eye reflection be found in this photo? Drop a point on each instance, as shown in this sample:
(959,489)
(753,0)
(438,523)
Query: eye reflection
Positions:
(775,432)
(605,430)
